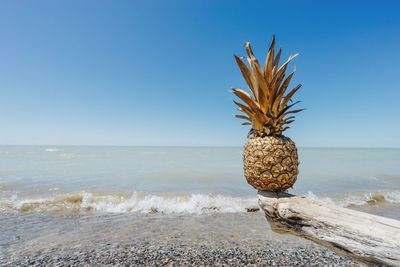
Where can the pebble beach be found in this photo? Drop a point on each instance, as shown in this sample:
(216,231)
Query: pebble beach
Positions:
(121,240)
(147,254)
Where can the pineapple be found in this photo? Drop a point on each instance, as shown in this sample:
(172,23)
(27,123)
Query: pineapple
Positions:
(270,159)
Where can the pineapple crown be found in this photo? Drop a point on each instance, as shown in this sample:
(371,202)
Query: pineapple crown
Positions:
(268,107)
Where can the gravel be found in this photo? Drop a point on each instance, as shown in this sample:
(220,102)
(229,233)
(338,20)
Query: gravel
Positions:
(179,254)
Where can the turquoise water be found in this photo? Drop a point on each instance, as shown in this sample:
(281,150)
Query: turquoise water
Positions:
(182,179)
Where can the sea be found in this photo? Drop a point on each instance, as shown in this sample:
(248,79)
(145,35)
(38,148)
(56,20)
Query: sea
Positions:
(52,196)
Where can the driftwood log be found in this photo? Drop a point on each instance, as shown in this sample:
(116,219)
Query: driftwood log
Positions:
(364,238)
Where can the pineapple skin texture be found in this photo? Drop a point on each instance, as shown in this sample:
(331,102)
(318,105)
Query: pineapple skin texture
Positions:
(270,163)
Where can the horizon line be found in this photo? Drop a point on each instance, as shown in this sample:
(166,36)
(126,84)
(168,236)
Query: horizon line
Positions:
(103,145)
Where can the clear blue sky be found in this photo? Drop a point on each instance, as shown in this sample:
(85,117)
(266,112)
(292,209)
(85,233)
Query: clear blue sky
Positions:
(160,72)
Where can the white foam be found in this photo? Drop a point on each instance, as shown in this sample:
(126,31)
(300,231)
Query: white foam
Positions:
(356,200)
(173,203)
(323,199)
(393,197)
(52,149)
(194,203)
(54,189)
(88,201)
(360,198)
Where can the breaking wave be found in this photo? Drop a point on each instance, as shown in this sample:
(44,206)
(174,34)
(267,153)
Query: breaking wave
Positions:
(87,201)
(360,198)
(143,203)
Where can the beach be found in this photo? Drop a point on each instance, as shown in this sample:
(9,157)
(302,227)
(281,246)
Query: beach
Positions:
(120,239)
(171,205)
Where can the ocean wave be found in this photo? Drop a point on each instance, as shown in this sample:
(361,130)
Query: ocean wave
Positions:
(52,149)
(87,201)
(360,198)
(144,203)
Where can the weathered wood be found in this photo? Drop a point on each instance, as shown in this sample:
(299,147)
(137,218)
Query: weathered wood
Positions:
(368,239)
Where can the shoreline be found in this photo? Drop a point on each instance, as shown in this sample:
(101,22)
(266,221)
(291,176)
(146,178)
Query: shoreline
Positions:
(39,239)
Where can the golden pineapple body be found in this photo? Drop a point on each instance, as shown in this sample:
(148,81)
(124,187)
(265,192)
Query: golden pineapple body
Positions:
(270,163)
(270,159)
